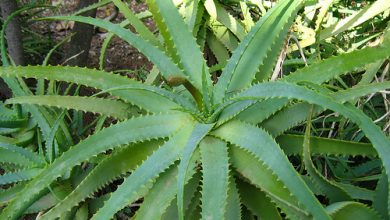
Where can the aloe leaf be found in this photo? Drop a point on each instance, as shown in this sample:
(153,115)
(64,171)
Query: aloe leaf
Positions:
(257,202)
(52,150)
(159,58)
(120,162)
(19,176)
(22,139)
(7,131)
(194,211)
(330,189)
(233,202)
(185,50)
(218,49)
(263,178)
(135,22)
(7,140)
(96,79)
(261,42)
(186,103)
(11,157)
(217,12)
(357,192)
(82,213)
(167,183)
(50,198)
(360,90)
(234,110)
(287,118)
(292,145)
(9,194)
(30,156)
(159,201)
(381,201)
(280,89)
(141,179)
(191,201)
(273,157)
(134,130)
(13,122)
(295,114)
(335,66)
(319,73)
(371,72)
(101,106)
(223,34)
(193,14)
(199,132)
(351,21)
(215,164)
(351,211)
(248,21)
(40,115)
(251,111)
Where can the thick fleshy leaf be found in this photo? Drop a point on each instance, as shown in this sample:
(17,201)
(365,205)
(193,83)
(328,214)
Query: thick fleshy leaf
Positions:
(215,168)
(134,130)
(197,135)
(140,181)
(261,145)
(330,189)
(107,107)
(351,211)
(257,202)
(181,44)
(264,42)
(118,163)
(140,95)
(281,89)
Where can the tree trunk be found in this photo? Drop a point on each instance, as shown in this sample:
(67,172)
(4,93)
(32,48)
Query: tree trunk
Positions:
(13,32)
(77,54)
(14,40)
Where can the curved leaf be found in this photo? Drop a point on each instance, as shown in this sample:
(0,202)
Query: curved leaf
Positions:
(330,189)
(181,44)
(96,79)
(32,157)
(351,211)
(233,203)
(19,176)
(217,12)
(163,62)
(120,162)
(257,202)
(214,158)
(198,133)
(137,184)
(330,68)
(108,107)
(261,42)
(134,130)
(261,145)
(292,145)
(280,89)
(262,177)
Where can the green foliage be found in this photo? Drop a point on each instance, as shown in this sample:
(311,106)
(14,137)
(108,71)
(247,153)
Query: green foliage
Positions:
(197,148)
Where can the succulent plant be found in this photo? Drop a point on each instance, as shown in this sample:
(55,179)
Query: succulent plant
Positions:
(204,149)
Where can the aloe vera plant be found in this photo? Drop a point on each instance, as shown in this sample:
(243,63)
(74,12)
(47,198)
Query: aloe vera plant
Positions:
(204,149)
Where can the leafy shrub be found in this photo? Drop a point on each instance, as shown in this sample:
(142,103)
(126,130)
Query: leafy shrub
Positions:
(200,149)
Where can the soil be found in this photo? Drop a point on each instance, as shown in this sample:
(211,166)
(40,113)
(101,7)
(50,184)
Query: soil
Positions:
(119,56)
